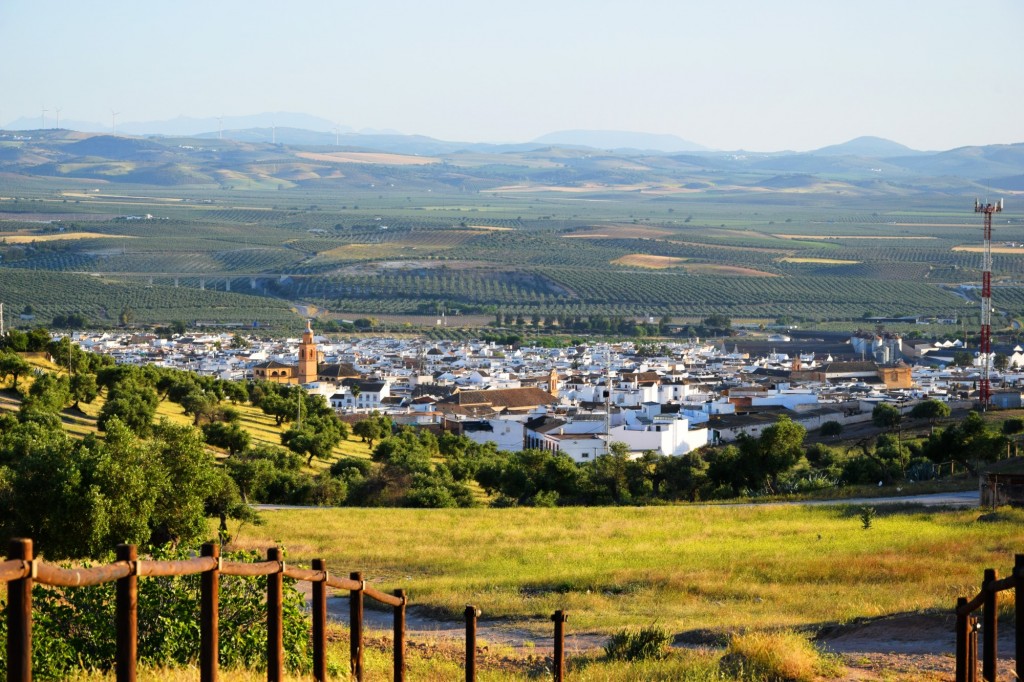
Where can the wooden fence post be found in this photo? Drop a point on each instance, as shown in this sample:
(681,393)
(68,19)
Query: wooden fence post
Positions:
(472,613)
(127,616)
(355,640)
(560,617)
(990,630)
(399,643)
(320,623)
(1018,616)
(209,617)
(963,637)
(972,656)
(275,626)
(19,617)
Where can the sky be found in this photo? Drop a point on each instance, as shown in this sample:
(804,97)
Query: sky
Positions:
(759,75)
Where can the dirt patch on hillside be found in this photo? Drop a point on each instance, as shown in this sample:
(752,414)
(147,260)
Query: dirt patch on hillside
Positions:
(369,157)
(63,236)
(995,249)
(844,236)
(915,646)
(646,260)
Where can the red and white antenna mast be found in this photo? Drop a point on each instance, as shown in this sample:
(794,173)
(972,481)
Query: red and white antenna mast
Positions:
(985,347)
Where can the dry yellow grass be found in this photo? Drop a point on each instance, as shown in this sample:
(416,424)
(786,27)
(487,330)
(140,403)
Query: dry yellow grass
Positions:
(359,252)
(369,157)
(757,656)
(842,236)
(22,238)
(100,195)
(646,260)
(960,225)
(995,249)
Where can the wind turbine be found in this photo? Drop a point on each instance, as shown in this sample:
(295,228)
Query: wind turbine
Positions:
(273,133)
(113,121)
(220,125)
(42,122)
(58,118)
(337,135)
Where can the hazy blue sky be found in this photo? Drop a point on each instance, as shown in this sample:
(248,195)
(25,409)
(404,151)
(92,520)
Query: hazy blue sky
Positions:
(751,74)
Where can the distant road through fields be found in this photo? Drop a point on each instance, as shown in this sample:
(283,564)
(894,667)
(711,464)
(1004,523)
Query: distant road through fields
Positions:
(966,498)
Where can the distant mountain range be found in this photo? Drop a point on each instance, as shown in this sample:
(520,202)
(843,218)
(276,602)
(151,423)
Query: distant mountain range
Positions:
(297,128)
(315,154)
(304,129)
(620,140)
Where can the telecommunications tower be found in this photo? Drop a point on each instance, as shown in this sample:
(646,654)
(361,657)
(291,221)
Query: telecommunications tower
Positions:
(985,346)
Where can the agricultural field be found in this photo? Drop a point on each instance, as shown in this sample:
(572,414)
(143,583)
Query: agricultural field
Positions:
(547,232)
(703,574)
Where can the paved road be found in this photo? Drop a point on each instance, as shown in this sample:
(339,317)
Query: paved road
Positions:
(967,498)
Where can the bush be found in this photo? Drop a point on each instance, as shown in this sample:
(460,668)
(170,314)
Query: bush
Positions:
(73,627)
(638,645)
(774,657)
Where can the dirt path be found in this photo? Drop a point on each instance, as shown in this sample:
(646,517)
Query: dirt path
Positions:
(525,638)
(913,647)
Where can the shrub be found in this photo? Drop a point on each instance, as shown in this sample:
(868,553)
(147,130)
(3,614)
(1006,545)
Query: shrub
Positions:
(73,627)
(638,645)
(867,516)
(774,657)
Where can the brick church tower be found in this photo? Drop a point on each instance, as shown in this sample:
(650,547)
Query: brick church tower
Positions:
(307,357)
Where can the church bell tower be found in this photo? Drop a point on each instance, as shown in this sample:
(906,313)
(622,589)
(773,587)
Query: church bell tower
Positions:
(307,356)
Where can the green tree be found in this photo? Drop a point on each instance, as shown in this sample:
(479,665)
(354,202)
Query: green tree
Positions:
(781,447)
(962,359)
(1012,426)
(373,428)
(316,437)
(608,474)
(50,392)
(133,402)
(932,410)
(230,436)
(831,429)
(83,388)
(681,477)
(717,322)
(886,416)
(14,365)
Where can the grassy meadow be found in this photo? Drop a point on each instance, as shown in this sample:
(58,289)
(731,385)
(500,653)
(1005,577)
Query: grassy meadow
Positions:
(723,568)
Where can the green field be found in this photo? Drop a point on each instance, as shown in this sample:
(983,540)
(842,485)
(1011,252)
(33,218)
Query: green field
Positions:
(722,568)
(557,236)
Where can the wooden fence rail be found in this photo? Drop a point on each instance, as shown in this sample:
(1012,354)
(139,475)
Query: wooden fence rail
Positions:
(967,626)
(22,570)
